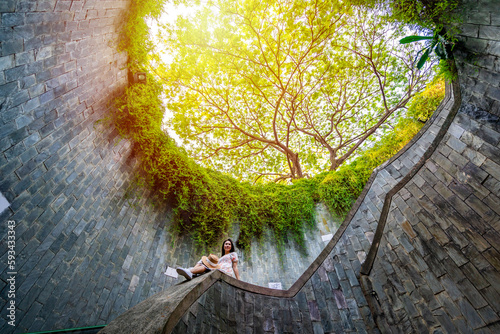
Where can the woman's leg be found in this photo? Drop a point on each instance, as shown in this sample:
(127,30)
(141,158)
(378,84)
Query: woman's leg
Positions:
(188,273)
(198,269)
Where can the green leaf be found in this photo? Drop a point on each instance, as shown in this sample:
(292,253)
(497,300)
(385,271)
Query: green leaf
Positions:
(414,38)
(424,58)
(440,51)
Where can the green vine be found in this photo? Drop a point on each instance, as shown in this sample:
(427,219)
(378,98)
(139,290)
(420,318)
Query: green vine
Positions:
(431,15)
(205,202)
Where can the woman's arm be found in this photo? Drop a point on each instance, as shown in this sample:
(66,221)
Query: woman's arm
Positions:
(235,269)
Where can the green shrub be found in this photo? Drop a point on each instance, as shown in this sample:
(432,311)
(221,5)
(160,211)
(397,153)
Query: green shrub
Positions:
(420,14)
(206,202)
(135,35)
(423,104)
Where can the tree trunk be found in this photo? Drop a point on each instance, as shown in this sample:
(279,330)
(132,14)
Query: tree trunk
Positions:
(334,163)
(296,169)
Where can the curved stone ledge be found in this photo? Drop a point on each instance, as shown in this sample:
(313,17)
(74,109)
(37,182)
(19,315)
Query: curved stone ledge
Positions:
(161,312)
(425,229)
(154,314)
(331,281)
(449,106)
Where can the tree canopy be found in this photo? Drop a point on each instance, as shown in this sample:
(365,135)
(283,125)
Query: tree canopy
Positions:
(205,202)
(282,89)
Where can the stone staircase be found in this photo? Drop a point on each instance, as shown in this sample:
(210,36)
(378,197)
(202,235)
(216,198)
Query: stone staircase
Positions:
(419,251)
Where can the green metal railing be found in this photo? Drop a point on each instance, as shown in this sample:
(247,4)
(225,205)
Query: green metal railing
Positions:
(72,330)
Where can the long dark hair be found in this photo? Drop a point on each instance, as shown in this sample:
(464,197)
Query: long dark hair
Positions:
(232,246)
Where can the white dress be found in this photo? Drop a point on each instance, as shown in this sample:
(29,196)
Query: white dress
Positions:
(226,263)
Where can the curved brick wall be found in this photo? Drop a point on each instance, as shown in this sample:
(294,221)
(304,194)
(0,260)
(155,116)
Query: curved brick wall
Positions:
(438,263)
(89,245)
(328,297)
(88,249)
(419,252)
(85,251)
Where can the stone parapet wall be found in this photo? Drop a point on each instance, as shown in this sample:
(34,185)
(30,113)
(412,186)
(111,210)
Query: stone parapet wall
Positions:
(422,242)
(328,296)
(437,267)
(90,244)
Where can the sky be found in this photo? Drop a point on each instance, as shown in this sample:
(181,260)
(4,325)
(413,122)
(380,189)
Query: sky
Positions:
(168,17)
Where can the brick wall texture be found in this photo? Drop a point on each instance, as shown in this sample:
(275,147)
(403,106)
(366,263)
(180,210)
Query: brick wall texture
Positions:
(83,251)
(88,247)
(89,244)
(437,265)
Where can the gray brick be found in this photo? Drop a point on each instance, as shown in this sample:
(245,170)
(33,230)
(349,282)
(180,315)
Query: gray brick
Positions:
(458,159)
(19,98)
(470,30)
(12,46)
(493,93)
(488,315)
(13,19)
(5,143)
(7,6)
(26,6)
(15,73)
(489,76)
(426,315)
(32,139)
(26,169)
(478,17)
(353,280)
(492,296)
(8,89)
(494,49)
(472,294)
(36,90)
(27,81)
(471,316)
(10,114)
(491,168)
(46,97)
(489,32)
(444,320)
(489,135)
(462,326)
(481,208)
(23,121)
(456,144)
(25,31)
(7,62)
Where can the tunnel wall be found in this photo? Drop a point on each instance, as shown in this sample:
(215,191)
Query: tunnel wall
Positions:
(89,243)
(438,264)
(418,253)
(84,251)
(328,297)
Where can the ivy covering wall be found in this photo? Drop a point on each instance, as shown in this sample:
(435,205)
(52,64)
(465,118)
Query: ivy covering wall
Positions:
(206,202)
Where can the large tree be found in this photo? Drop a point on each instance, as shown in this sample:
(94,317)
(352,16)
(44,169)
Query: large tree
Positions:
(284,88)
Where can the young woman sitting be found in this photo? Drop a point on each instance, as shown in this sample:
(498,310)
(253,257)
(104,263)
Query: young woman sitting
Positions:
(229,259)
